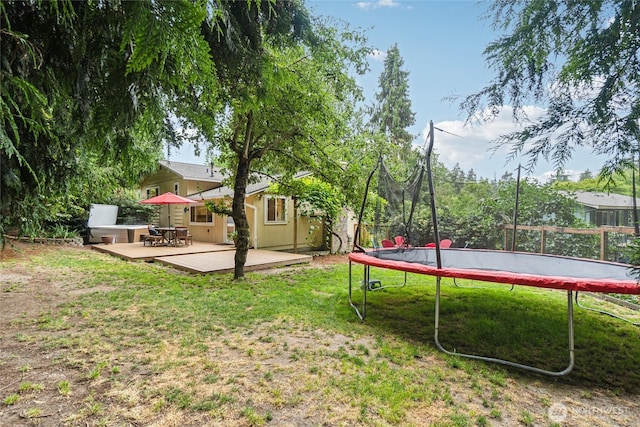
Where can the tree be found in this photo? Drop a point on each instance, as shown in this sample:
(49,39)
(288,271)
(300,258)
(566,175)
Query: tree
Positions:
(314,198)
(114,81)
(392,114)
(623,183)
(475,216)
(471,176)
(581,57)
(289,106)
(587,174)
(89,87)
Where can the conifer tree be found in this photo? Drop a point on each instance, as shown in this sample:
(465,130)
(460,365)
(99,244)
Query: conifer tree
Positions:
(392,114)
(580,60)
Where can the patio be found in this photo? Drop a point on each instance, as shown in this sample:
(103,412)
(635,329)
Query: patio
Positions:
(201,257)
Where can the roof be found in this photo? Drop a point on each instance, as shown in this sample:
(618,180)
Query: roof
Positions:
(252,189)
(604,200)
(194,172)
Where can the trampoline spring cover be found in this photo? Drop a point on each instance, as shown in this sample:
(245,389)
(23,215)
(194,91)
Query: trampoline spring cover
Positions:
(548,271)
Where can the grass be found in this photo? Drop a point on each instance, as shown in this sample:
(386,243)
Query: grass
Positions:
(64,388)
(11,399)
(286,347)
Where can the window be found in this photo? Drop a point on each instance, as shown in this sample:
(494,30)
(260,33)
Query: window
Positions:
(176,188)
(201,215)
(275,210)
(153,191)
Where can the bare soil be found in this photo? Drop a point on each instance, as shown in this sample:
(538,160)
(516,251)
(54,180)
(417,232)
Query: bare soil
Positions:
(26,295)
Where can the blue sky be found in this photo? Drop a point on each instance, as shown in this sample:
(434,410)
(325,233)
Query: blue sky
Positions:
(441,43)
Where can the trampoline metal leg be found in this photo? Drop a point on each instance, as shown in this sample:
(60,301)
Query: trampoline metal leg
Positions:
(360,311)
(381,287)
(608,313)
(565,371)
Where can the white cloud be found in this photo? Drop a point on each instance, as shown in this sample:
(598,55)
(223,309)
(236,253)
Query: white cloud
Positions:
(378,55)
(367,5)
(387,3)
(571,174)
(470,147)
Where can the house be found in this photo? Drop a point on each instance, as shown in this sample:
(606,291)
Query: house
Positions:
(607,209)
(273,220)
(182,179)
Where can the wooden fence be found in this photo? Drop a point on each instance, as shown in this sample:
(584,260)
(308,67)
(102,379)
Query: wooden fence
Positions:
(603,231)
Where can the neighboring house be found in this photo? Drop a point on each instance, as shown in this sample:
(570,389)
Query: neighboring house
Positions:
(271,217)
(605,208)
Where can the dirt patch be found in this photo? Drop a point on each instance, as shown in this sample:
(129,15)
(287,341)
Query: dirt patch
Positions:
(319,261)
(330,259)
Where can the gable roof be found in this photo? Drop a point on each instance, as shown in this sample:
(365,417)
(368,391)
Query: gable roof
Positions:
(194,172)
(604,200)
(252,189)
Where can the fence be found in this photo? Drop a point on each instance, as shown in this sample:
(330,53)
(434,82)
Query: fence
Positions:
(603,232)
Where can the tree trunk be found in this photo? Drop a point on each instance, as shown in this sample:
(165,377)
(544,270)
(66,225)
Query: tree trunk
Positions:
(295,225)
(239,216)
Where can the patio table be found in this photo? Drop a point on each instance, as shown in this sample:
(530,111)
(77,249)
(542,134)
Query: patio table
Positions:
(168,235)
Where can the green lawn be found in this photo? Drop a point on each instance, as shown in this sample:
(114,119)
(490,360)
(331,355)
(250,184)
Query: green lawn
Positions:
(144,344)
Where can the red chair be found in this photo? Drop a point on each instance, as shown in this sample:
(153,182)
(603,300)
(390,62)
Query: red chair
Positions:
(386,243)
(444,243)
(399,241)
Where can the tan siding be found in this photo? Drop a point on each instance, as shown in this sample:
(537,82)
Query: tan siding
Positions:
(280,236)
(195,187)
(165,180)
(250,219)
(208,233)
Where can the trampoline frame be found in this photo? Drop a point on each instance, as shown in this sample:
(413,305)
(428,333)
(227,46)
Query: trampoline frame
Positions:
(361,312)
(608,313)
(562,372)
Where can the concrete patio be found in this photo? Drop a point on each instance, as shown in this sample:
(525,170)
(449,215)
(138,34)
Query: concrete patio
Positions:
(201,257)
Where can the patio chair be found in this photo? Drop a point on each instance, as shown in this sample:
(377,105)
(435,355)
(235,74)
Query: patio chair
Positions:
(386,243)
(154,238)
(444,243)
(182,234)
(399,241)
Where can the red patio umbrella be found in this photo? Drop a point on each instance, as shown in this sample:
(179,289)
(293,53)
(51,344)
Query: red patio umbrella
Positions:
(168,198)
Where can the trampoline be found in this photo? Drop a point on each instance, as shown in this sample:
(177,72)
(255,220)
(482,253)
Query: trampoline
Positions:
(544,271)
(572,275)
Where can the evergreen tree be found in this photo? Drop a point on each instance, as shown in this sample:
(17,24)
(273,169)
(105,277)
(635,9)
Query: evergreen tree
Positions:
(581,57)
(392,113)
(87,87)
(587,174)
(471,176)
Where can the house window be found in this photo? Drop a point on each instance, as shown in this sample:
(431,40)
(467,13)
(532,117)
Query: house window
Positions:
(201,215)
(605,217)
(153,191)
(275,210)
(176,188)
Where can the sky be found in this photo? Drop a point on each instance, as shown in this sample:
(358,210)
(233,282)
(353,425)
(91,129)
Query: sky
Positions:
(441,43)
